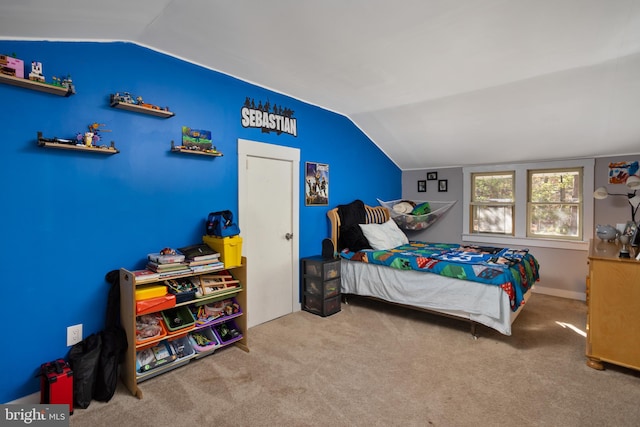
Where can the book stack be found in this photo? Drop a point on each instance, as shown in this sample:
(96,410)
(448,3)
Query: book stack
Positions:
(167,265)
(201,258)
(145,275)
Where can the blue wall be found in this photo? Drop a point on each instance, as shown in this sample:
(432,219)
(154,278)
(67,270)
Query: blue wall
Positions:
(68,217)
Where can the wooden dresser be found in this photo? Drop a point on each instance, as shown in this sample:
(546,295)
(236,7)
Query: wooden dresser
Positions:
(613,307)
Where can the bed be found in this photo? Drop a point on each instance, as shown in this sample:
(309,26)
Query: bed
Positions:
(480,285)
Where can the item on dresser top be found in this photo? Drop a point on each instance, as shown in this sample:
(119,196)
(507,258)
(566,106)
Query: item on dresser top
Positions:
(607,233)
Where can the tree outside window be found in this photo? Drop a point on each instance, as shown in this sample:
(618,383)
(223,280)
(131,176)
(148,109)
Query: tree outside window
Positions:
(554,207)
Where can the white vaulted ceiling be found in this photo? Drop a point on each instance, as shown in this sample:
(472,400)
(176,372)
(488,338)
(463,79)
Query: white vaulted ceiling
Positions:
(433,83)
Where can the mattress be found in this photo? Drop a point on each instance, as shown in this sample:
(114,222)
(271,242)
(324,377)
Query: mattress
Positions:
(478,302)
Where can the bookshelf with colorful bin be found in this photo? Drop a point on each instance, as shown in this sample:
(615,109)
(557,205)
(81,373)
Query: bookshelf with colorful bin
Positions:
(188,327)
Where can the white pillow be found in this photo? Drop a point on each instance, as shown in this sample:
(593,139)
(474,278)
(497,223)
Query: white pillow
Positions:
(384,236)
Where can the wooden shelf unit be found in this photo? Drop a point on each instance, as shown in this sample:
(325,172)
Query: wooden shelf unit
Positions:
(613,307)
(34,85)
(128,316)
(47,143)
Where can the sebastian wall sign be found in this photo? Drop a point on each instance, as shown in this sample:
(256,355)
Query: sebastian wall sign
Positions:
(268,118)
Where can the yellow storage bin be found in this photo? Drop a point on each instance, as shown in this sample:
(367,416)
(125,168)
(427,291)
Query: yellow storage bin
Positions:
(150,291)
(229,248)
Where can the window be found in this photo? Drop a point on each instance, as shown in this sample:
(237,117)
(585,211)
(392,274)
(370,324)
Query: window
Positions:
(529,204)
(492,202)
(555,204)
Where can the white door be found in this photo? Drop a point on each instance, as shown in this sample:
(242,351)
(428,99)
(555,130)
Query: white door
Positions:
(268,199)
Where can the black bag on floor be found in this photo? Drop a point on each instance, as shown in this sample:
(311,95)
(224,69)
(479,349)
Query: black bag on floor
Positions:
(83,358)
(114,343)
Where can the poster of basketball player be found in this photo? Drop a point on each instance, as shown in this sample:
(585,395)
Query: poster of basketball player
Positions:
(316,184)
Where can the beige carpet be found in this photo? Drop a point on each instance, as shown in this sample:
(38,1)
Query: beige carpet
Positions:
(378,365)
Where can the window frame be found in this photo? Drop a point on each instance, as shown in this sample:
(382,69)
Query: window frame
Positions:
(531,204)
(521,208)
(473,204)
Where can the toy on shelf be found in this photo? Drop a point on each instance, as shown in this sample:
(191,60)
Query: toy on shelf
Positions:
(12,72)
(36,72)
(196,141)
(127,101)
(124,97)
(92,136)
(141,103)
(65,83)
(75,144)
(12,66)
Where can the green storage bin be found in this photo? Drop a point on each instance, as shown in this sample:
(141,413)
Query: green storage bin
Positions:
(178,318)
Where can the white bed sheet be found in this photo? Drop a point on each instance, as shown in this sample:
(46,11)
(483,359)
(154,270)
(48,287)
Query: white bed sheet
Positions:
(485,304)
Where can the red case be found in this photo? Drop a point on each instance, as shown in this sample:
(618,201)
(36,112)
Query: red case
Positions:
(56,383)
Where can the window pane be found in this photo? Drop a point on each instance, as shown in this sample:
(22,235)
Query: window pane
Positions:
(554,220)
(493,219)
(558,187)
(492,188)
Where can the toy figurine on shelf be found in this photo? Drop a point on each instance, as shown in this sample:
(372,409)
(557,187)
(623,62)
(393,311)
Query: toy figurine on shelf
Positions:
(123,97)
(141,103)
(92,136)
(65,83)
(36,72)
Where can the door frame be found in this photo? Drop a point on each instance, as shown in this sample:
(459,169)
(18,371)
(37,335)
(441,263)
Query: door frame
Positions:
(247,148)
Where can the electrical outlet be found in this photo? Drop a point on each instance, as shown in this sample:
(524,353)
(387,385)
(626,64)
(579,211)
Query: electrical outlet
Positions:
(74,334)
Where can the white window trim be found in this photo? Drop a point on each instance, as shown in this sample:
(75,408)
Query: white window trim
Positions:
(520,231)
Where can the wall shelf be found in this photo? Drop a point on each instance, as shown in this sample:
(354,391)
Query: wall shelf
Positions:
(181,149)
(63,145)
(39,86)
(114,103)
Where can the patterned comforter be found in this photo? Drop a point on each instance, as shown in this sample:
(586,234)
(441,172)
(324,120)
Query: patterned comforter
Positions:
(514,270)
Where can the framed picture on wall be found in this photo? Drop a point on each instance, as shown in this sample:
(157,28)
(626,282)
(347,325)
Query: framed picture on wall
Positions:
(443,185)
(316,184)
(432,176)
(422,186)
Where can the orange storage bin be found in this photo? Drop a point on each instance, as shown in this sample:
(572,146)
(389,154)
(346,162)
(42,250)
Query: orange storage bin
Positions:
(152,305)
(143,323)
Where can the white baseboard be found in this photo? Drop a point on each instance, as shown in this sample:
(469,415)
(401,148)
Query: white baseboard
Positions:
(580,296)
(31,399)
